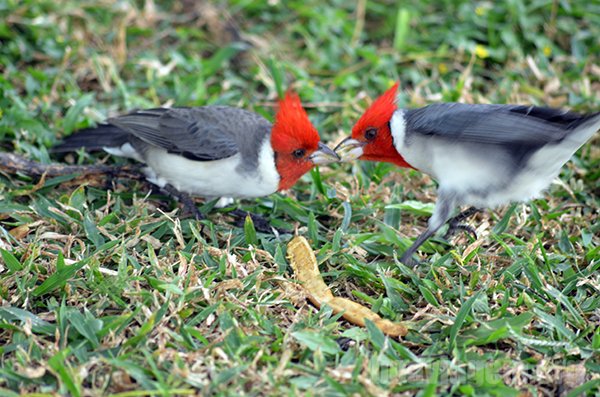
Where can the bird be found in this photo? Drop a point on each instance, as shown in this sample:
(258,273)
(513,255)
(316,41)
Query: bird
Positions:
(481,155)
(212,151)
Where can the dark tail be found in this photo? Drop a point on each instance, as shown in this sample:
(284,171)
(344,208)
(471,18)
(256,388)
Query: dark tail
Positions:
(92,139)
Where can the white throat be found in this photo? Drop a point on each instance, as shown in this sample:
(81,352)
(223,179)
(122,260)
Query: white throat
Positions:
(398,129)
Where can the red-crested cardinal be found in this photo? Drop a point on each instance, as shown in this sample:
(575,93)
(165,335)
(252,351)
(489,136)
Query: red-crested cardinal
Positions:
(212,151)
(480,155)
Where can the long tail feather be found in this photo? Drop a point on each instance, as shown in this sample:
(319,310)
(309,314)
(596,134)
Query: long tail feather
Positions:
(93,139)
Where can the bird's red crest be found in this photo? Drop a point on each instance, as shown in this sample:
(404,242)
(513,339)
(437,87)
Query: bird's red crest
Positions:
(379,147)
(292,128)
(292,131)
(379,113)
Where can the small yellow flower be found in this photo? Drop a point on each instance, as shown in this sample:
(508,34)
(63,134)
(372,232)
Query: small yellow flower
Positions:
(442,68)
(391,82)
(547,50)
(481,51)
(480,11)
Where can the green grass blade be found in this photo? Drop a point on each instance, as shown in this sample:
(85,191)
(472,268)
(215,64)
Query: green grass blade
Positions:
(460,318)
(402,29)
(60,277)
(11,262)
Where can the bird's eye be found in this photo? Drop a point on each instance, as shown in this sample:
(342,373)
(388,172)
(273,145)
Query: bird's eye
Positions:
(299,153)
(370,134)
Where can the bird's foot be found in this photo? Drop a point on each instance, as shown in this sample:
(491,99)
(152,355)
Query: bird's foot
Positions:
(261,224)
(191,209)
(456,227)
(189,206)
(408,260)
(455,224)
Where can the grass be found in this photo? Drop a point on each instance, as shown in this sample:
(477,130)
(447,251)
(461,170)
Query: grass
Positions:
(111,292)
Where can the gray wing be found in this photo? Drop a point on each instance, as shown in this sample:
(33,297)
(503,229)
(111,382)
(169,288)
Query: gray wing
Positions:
(203,133)
(493,124)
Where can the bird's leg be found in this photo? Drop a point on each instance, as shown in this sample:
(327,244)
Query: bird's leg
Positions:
(261,224)
(185,200)
(407,258)
(445,203)
(455,223)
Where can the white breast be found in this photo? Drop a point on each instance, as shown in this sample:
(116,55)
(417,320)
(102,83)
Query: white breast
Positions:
(213,178)
(483,175)
(480,177)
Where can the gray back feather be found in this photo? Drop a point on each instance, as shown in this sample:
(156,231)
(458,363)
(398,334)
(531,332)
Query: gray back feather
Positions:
(203,133)
(494,124)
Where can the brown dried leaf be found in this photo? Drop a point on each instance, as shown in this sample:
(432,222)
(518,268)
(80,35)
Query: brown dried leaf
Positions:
(571,377)
(20,232)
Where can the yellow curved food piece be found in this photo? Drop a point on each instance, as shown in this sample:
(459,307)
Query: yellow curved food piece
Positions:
(356,314)
(304,264)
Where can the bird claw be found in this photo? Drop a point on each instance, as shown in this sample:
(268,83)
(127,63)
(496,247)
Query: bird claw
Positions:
(190,207)
(455,224)
(456,227)
(195,212)
(409,261)
(188,204)
(261,224)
